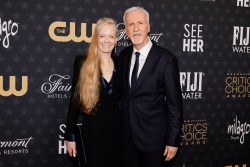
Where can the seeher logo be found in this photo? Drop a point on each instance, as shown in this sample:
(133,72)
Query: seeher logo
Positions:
(192,41)
(58,31)
(62,148)
(7,29)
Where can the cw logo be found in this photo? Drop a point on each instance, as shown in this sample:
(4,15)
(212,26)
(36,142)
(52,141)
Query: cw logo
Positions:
(59,27)
(12,86)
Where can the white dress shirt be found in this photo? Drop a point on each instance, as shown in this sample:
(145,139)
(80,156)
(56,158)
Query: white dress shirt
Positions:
(142,58)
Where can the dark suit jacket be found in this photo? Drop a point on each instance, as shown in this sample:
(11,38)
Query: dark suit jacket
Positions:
(105,103)
(152,112)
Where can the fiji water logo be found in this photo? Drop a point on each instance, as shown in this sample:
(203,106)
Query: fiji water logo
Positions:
(241,39)
(7,29)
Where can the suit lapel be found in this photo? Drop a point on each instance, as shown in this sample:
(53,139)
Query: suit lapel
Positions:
(127,63)
(147,67)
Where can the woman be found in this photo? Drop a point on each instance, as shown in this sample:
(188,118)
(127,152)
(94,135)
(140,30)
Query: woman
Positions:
(95,92)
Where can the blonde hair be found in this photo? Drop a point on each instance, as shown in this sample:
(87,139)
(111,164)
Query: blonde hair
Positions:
(88,86)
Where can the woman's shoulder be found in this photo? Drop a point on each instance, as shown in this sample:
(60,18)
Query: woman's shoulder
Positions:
(79,59)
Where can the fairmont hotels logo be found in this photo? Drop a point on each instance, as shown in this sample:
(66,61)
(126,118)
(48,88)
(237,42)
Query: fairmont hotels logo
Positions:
(17,146)
(57,86)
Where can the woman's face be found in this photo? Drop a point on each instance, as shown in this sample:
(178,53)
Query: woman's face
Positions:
(106,38)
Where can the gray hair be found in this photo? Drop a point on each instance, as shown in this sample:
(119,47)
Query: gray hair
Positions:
(135,8)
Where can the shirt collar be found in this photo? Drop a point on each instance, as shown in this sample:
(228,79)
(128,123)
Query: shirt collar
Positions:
(145,50)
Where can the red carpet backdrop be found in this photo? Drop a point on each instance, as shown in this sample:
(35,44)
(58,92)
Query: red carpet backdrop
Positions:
(40,39)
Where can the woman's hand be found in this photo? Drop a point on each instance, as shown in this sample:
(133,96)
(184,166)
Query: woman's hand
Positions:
(71,147)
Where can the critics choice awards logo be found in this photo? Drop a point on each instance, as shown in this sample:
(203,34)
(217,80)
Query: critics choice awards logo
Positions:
(17,146)
(191,84)
(243,3)
(241,39)
(237,85)
(7,29)
(237,130)
(194,132)
(192,41)
(58,86)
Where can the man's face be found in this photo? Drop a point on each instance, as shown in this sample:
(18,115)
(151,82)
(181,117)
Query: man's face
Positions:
(137,28)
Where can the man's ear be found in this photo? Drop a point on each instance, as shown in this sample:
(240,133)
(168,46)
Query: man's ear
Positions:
(126,30)
(148,29)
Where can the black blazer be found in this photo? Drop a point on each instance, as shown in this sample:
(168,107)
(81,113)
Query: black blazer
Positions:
(105,104)
(152,112)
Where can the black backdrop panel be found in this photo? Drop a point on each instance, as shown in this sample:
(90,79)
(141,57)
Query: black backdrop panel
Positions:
(40,39)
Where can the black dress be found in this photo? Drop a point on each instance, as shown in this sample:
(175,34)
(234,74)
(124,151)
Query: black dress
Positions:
(102,129)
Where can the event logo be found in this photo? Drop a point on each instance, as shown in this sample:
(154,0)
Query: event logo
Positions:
(237,85)
(192,41)
(56,86)
(243,3)
(7,29)
(238,130)
(123,39)
(62,148)
(59,32)
(194,132)
(243,165)
(191,84)
(12,86)
(241,37)
(18,146)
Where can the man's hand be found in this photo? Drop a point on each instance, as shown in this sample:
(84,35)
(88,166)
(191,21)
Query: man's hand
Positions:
(170,152)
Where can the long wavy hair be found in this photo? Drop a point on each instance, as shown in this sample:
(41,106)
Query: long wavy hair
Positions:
(88,85)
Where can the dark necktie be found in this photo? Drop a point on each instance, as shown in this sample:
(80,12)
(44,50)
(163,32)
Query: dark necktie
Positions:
(135,70)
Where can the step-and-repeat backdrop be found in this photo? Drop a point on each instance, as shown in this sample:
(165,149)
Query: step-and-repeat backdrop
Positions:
(40,39)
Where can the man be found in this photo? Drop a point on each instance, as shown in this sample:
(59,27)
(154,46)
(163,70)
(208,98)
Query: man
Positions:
(151,100)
